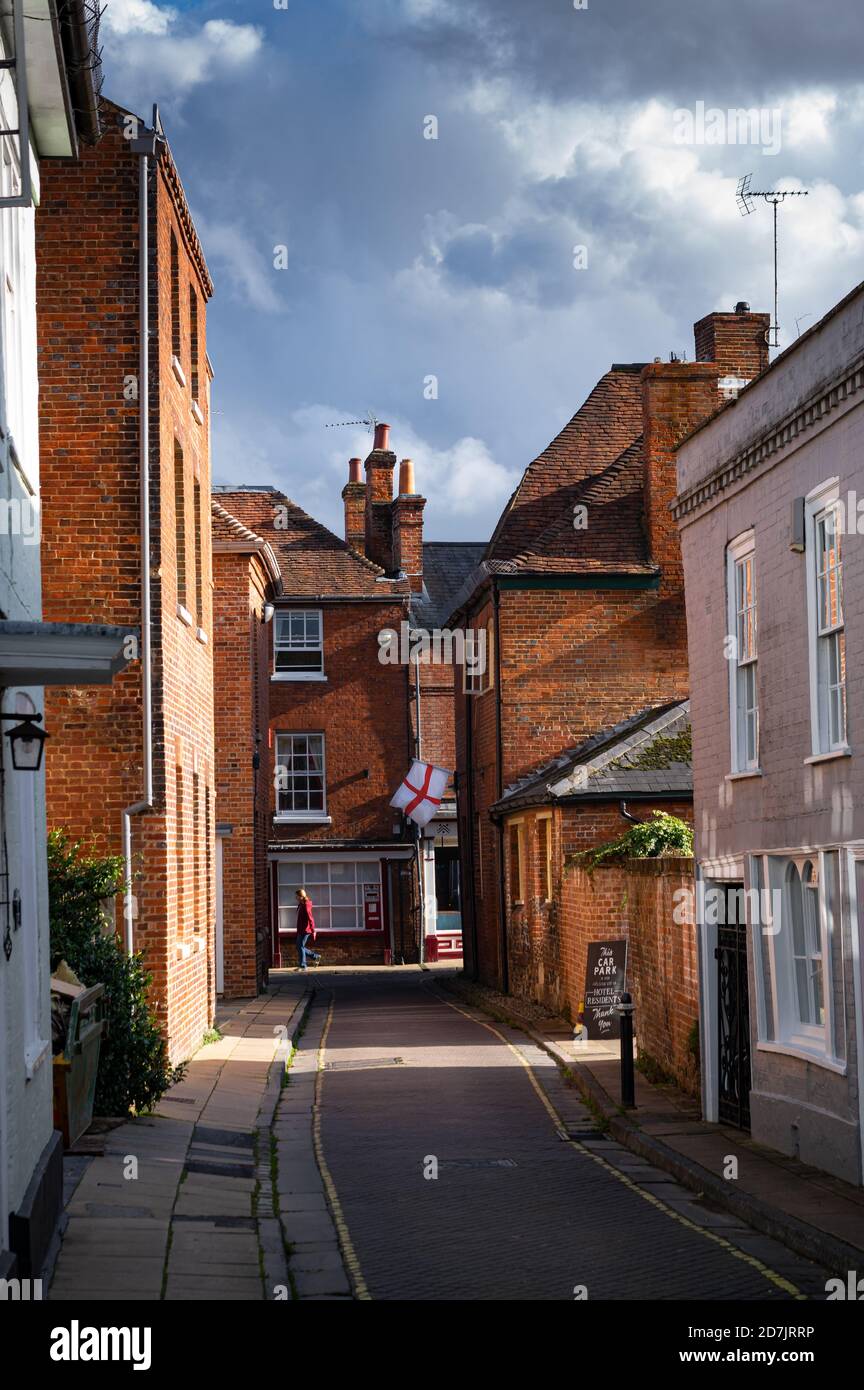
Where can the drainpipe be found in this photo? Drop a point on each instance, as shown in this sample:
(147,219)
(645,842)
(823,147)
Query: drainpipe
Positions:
(145,146)
(502,887)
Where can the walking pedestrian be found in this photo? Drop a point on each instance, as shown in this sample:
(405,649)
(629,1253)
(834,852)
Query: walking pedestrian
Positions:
(305,929)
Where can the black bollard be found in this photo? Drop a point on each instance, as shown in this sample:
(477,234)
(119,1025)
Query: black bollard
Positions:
(628,1080)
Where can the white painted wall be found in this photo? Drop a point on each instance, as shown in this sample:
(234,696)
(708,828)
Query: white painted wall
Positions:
(25,1065)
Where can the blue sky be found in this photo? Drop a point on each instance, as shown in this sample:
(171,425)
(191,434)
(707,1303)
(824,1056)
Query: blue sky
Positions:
(408,258)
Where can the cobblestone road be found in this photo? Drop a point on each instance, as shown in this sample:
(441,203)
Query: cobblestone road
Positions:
(514,1212)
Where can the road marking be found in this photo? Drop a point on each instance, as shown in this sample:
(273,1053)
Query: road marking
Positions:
(349,1254)
(751,1260)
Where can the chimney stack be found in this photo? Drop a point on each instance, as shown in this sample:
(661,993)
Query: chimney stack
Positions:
(676,397)
(354,499)
(408,527)
(737,342)
(379,496)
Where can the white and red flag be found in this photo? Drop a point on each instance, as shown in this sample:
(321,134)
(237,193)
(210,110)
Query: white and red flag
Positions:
(420,794)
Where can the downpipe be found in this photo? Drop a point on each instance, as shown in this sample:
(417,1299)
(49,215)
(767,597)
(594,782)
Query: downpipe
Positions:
(145,147)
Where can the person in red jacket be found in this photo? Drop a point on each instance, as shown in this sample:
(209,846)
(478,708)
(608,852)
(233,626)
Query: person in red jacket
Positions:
(305,929)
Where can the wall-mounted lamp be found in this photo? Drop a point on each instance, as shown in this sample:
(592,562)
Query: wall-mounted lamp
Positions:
(267,614)
(26,740)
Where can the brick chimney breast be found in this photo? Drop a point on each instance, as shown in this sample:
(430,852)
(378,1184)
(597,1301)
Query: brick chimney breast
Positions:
(408,528)
(354,499)
(737,342)
(379,496)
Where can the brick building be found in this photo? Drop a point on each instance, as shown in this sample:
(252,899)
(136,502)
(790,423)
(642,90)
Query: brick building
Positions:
(323,729)
(771,536)
(338,739)
(125,384)
(389,531)
(580,592)
(246,579)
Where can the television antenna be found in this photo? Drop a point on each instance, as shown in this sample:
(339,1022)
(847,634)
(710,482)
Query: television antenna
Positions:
(744,196)
(370,420)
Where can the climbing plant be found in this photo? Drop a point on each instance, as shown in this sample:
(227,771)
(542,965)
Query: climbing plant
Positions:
(662,834)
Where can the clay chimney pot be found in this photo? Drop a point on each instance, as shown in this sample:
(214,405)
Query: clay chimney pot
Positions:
(406,478)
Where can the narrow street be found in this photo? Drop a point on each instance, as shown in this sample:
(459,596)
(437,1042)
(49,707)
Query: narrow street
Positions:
(411,1080)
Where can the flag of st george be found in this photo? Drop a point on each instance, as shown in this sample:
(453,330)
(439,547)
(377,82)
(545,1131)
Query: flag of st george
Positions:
(419,796)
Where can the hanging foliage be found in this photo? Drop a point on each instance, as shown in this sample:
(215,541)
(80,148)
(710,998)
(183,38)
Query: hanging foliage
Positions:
(662,834)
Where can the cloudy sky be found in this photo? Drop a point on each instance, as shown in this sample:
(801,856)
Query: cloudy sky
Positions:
(567,215)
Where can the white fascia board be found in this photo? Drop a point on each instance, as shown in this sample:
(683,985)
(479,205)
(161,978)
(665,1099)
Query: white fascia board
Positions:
(51,120)
(34,653)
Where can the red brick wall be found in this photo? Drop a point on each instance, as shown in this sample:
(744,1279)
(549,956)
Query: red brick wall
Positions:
(736,342)
(634,901)
(577,661)
(477,789)
(88,350)
(362,710)
(240,649)
(548,941)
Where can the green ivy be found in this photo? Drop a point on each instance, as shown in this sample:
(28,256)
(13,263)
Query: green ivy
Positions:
(663,834)
(134,1071)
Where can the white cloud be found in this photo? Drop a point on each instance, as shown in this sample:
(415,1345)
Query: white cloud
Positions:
(307,457)
(241,265)
(137,17)
(147,43)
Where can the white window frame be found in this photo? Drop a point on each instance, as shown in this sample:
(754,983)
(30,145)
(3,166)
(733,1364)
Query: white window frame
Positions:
(284,615)
(783,1031)
(309,817)
(321,909)
(740,552)
(823,745)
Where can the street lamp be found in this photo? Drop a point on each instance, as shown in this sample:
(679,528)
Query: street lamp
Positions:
(26,740)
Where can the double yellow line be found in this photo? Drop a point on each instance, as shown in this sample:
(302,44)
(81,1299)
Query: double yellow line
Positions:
(771,1275)
(349,1254)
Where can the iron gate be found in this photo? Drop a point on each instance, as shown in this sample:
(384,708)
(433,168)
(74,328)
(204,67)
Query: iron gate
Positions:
(733,1011)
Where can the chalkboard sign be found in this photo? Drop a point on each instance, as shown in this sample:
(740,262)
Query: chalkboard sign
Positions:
(605,977)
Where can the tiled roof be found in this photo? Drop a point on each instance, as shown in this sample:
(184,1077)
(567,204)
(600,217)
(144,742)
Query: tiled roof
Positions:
(595,461)
(646,755)
(446,566)
(314,562)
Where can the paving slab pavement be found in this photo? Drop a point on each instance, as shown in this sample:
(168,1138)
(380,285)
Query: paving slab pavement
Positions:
(169,1209)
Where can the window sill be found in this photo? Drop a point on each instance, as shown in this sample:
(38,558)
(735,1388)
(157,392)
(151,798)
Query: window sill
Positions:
(829,756)
(301,676)
(302,818)
(804,1054)
(202,636)
(743,776)
(197,413)
(178,370)
(184,615)
(34,1056)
